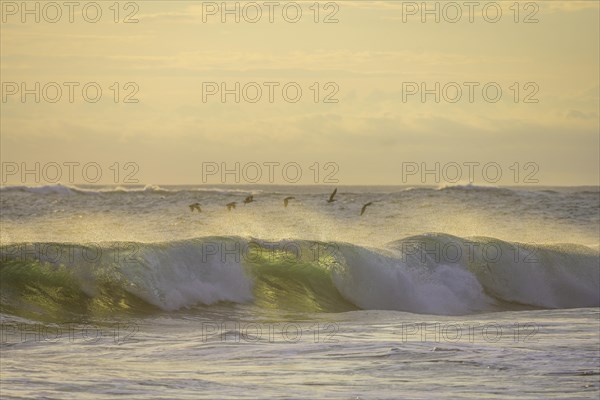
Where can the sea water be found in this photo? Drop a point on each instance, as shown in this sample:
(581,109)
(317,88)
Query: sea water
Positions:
(457,291)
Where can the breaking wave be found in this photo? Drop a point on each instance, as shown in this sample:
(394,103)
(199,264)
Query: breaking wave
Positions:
(62,189)
(426,274)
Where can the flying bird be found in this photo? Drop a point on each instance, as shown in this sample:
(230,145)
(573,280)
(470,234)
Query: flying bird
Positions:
(286,200)
(331,199)
(195,206)
(365,207)
(249,199)
(230,205)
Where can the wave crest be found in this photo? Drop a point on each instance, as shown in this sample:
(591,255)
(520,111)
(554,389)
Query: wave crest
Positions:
(419,274)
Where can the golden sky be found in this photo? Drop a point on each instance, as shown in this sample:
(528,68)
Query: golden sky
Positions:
(366,62)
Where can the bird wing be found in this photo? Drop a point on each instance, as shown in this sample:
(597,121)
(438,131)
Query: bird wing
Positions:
(365,207)
(333,194)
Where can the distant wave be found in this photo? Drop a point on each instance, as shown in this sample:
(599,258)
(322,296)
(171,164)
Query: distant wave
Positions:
(296,274)
(45,189)
(70,189)
(507,190)
(62,189)
(473,187)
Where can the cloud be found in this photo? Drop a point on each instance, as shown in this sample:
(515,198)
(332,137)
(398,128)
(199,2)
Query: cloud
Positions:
(576,114)
(569,6)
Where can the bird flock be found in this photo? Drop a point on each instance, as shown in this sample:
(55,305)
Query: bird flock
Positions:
(250,199)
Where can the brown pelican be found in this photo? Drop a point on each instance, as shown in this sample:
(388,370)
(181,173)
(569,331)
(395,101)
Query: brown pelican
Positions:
(286,200)
(230,205)
(249,199)
(365,207)
(195,206)
(331,199)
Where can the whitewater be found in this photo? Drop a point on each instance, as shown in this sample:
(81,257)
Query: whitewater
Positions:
(454,288)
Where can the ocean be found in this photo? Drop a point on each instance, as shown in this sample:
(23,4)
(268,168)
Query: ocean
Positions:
(460,291)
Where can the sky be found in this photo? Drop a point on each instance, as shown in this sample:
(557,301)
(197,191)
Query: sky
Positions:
(369,73)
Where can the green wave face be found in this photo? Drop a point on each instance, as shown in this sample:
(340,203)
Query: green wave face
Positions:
(281,281)
(46,292)
(179,275)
